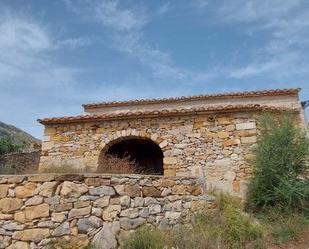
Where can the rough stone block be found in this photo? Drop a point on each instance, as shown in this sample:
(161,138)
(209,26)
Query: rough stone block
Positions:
(41,178)
(3,190)
(71,189)
(246,126)
(35,212)
(79,212)
(169,160)
(231,142)
(35,234)
(10,204)
(249,140)
(26,190)
(129,224)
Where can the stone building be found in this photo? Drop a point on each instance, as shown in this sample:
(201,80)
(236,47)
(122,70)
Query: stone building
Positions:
(209,136)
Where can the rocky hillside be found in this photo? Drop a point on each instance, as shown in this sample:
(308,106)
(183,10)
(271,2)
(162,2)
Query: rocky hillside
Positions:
(19,136)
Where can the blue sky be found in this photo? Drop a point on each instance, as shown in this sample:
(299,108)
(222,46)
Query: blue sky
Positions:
(56,55)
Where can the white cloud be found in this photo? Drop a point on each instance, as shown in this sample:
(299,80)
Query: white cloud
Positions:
(74,43)
(285,22)
(126,26)
(31,78)
(164,9)
(25,47)
(110,14)
(255,10)
(200,3)
(26,37)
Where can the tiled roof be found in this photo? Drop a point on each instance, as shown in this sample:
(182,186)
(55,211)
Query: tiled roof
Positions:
(272,92)
(164,112)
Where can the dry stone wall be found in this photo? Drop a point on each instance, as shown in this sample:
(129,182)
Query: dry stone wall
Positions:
(100,209)
(22,162)
(215,147)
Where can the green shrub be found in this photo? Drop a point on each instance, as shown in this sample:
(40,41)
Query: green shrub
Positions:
(69,243)
(7,146)
(146,238)
(228,226)
(283,227)
(281,160)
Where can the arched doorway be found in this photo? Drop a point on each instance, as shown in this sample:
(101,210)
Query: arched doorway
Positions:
(146,155)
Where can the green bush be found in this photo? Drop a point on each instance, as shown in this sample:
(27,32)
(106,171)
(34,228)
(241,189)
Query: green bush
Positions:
(228,226)
(282,227)
(7,146)
(281,161)
(146,238)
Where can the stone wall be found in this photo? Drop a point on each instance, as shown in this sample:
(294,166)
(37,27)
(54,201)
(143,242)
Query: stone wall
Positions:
(214,147)
(22,162)
(91,207)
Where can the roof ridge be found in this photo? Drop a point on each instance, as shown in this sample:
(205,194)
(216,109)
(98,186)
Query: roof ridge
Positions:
(269,92)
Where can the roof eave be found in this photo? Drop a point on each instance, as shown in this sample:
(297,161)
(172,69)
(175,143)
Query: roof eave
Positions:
(124,116)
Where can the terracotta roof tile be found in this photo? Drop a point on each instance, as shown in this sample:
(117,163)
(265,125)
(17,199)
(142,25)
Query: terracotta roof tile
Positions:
(272,92)
(164,112)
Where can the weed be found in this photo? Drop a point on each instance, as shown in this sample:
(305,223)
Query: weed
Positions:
(69,243)
(283,227)
(146,238)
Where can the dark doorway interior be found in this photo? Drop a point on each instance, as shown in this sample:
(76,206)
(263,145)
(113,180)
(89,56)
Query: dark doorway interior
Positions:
(146,154)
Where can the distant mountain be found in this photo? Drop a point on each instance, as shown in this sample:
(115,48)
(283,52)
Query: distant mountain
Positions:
(19,136)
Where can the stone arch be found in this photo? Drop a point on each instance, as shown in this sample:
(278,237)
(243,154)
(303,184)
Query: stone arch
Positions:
(147,153)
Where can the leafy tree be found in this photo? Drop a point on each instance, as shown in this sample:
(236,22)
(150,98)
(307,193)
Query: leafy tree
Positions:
(7,146)
(280,166)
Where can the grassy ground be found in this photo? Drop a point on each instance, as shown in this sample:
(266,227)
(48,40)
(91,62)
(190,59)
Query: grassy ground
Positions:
(229,227)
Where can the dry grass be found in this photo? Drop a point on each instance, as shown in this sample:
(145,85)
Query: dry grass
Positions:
(62,169)
(115,165)
(107,164)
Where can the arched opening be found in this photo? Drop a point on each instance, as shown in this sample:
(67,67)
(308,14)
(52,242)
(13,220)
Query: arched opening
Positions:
(145,155)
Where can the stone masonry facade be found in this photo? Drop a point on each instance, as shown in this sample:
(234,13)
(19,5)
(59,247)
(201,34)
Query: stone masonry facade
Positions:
(92,208)
(207,136)
(218,148)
